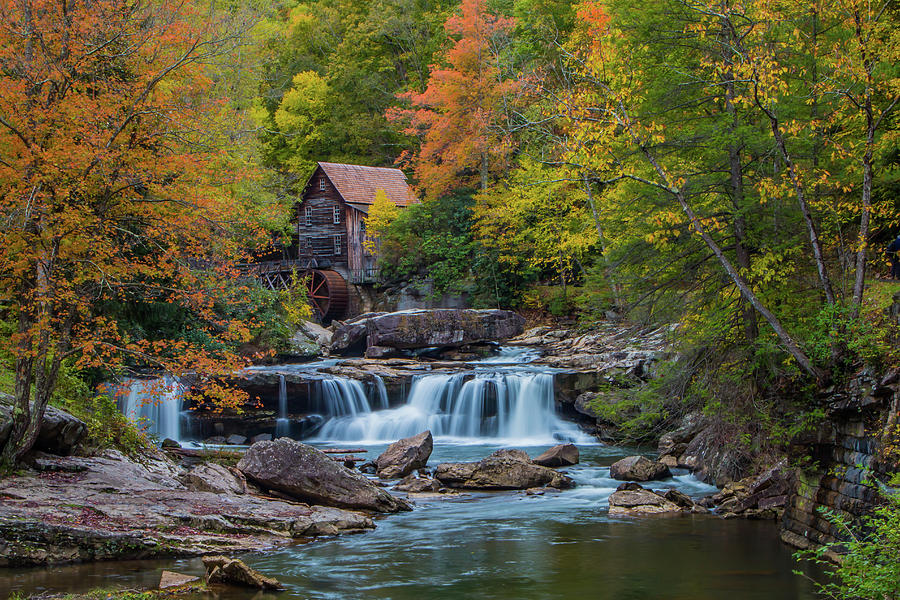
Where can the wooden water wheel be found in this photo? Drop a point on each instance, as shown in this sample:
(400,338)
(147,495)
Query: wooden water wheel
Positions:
(327,293)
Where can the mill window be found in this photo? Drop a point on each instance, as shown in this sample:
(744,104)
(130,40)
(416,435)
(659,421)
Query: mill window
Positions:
(336,214)
(338,242)
(307,216)
(322,184)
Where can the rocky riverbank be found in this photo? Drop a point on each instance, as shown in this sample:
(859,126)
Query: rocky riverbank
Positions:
(77,509)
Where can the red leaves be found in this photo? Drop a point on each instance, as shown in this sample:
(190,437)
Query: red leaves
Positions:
(458,116)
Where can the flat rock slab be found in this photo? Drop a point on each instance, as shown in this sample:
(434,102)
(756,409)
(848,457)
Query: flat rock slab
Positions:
(377,334)
(171,579)
(640,502)
(442,327)
(112,507)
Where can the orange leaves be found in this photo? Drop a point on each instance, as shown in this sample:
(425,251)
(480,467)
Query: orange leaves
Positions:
(114,180)
(458,116)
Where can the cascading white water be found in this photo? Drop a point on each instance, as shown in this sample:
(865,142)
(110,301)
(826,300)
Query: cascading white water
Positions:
(155,404)
(381,392)
(502,406)
(340,397)
(282,423)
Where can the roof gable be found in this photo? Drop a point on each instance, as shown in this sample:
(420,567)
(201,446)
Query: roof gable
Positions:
(358,184)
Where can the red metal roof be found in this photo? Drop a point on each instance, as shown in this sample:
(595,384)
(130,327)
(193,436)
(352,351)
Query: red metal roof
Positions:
(358,184)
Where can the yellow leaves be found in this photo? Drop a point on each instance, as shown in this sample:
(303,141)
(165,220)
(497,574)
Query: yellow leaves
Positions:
(382,212)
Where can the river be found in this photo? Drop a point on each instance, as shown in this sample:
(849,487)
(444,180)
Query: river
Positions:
(499,545)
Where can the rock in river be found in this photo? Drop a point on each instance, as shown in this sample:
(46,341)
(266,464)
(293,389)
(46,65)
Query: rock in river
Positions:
(111,506)
(634,500)
(638,468)
(310,475)
(562,455)
(502,470)
(405,456)
(231,571)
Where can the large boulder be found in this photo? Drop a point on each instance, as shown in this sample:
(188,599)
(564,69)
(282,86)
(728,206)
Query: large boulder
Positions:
(60,432)
(442,327)
(307,474)
(502,470)
(638,468)
(349,338)
(562,455)
(405,456)
(713,461)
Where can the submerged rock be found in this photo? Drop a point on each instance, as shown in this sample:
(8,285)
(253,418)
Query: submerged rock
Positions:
(502,470)
(417,485)
(231,571)
(562,455)
(405,456)
(638,468)
(305,473)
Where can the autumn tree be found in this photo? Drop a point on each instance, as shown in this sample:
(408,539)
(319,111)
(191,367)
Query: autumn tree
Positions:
(612,109)
(381,214)
(363,52)
(113,188)
(460,117)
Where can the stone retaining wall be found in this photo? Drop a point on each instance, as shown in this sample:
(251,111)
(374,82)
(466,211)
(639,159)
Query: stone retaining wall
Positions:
(845,456)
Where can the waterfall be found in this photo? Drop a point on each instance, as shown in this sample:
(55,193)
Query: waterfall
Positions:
(502,406)
(381,392)
(340,397)
(154,404)
(282,423)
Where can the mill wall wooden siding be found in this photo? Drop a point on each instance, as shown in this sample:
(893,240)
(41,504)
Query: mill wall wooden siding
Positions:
(317,231)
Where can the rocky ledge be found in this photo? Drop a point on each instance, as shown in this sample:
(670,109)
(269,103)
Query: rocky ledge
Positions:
(75,509)
(380,335)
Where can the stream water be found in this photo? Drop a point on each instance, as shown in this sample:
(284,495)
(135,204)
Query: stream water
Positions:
(503,545)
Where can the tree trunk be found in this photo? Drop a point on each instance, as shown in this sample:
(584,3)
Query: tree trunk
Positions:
(736,193)
(787,341)
(607,265)
(811,229)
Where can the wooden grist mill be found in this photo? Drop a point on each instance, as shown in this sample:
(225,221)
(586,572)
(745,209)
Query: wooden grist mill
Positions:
(329,252)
